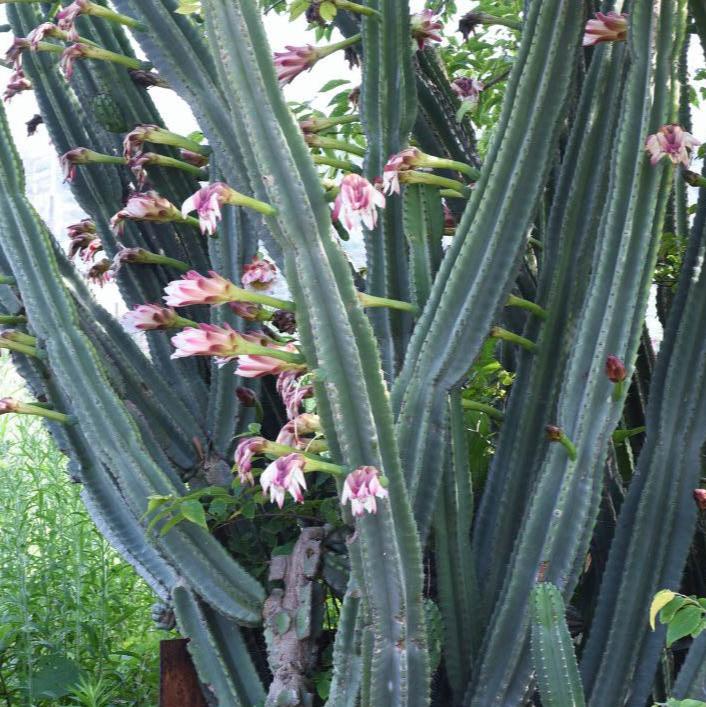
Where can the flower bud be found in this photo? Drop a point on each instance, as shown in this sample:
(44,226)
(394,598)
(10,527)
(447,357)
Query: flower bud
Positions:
(246,396)
(554,433)
(615,369)
(700,498)
(9,405)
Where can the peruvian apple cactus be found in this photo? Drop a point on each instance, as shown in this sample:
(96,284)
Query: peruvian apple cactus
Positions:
(437,452)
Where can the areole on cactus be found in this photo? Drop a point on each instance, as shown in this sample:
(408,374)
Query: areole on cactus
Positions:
(443,448)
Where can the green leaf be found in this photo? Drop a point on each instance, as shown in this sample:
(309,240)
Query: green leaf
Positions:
(660,600)
(333,83)
(54,676)
(298,8)
(685,622)
(327,10)
(193,511)
(667,613)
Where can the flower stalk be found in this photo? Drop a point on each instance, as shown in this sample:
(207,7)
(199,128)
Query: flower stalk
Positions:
(343,165)
(489,410)
(556,434)
(513,301)
(367,300)
(8,405)
(414,177)
(331,143)
(512,338)
(106,13)
(11,319)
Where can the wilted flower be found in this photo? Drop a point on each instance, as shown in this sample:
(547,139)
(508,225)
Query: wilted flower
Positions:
(193,158)
(468,23)
(361,488)
(671,141)
(285,321)
(289,64)
(18,82)
(425,28)
(259,273)
(133,141)
(100,273)
(467,89)
(295,430)
(404,160)
(14,54)
(69,160)
(194,288)
(9,405)
(147,79)
(66,16)
(354,97)
(69,56)
(208,202)
(246,396)
(699,496)
(356,204)
(39,33)
(148,206)
(84,227)
(246,450)
(130,255)
(138,166)
(208,340)
(605,27)
(291,392)
(148,317)
(282,476)
(615,369)
(85,246)
(449,219)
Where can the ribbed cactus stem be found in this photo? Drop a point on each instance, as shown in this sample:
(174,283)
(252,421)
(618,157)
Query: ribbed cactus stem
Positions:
(499,333)
(489,410)
(514,301)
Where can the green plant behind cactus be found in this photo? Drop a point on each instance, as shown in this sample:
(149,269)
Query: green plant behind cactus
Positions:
(376,486)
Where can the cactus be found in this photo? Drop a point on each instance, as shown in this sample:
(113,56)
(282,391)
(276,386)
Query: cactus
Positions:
(330,491)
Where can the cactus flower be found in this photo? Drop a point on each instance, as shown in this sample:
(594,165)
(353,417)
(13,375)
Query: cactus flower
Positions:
(245,452)
(671,141)
(356,204)
(66,16)
(18,82)
(699,497)
(405,160)
(249,311)
(69,160)
(282,476)
(100,273)
(85,246)
(149,317)
(425,28)
(467,89)
(606,27)
(133,141)
(295,431)
(9,405)
(13,55)
(193,158)
(208,340)
(615,369)
(84,227)
(257,365)
(195,288)
(148,206)
(260,273)
(361,488)
(292,62)
(291,392)
(285,321)
(41,32)
(69,56)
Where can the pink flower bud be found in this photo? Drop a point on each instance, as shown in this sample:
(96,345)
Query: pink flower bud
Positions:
(289,64)
(615,369)
(554,433)
(426,28)
(356,204)
(699,497)
(18,82)
(294,433)
(193,158)
(194,288)
(260,273)
(208,202)
(606,27)
(84,227)
(149,317)
(405,160)
(247,449)
(249,311)
(282,476)
(9,405)
(148,206)
(208,340)
(671,141)
(361,488)
(130,255)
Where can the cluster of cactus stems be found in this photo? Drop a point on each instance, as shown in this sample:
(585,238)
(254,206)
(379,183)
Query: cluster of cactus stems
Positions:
(358,386)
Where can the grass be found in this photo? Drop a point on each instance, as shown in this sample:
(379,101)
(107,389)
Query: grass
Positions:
(75,625)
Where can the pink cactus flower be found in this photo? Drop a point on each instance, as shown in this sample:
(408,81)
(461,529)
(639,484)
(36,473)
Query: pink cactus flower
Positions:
(295,432)
(138,166)
(292,62)
(606,27)
(467,89)
(249,311)
(361,488)
(449,219)
(18,82)
(85,246)
(257,366)
(208,202)
(149,317)
(245,452)
(69,160)
(134,140)
(671,141)
(66,17)
(69,56)
(402,161)
(292,393)
(356,204)
(208,340)
(194,288)
(148,206)
(425,28)
(100,273)
(282,476)
(41,32)
(14,54)
(129,255)
(9,405)
(84,227)
(193,158)
(259,274)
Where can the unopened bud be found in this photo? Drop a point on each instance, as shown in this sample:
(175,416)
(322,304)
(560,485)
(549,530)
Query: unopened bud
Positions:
(700,498)
(12,405)
(615,369)
(553,433)
(248,398)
